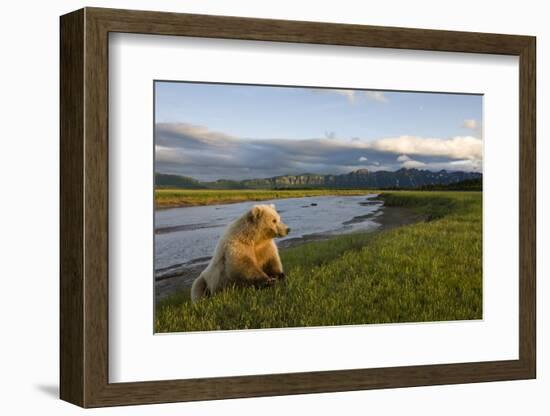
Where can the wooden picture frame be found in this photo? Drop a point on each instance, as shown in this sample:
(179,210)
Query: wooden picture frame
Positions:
(84,207)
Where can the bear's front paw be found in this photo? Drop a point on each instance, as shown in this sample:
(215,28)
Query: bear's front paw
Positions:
(264,282)
(270,281)
(280,276)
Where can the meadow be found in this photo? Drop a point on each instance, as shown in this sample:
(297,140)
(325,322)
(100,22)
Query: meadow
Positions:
(427,271)
(170,198)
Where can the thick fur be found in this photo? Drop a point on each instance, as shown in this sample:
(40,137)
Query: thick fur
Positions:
(246,254)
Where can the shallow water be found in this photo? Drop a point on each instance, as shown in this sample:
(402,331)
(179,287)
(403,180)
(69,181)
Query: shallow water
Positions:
(184,236)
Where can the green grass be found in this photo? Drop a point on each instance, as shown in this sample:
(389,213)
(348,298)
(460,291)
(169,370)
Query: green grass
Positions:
(428,271)
(166,198)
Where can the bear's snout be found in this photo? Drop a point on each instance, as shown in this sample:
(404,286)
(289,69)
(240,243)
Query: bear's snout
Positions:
(284,230)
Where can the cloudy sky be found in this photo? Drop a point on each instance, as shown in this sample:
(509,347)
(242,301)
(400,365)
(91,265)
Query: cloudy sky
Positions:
(222,131)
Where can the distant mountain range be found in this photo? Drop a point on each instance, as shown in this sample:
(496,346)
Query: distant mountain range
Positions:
(361,178)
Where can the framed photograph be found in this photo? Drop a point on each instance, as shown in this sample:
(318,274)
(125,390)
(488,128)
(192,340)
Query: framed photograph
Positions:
(254,207)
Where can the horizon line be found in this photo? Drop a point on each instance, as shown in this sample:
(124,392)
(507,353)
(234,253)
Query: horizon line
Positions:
(325,174)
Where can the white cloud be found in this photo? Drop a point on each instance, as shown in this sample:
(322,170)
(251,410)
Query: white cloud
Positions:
(174,134)
(209,155)
(166,154)
(469,165)
(456,165)
(377,166)
(470,124)
(376,96)
(466,147)
(353,95)
(349,94)
(409,164)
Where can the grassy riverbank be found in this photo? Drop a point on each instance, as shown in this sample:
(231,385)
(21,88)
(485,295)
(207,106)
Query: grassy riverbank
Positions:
(169,198)
(428,271)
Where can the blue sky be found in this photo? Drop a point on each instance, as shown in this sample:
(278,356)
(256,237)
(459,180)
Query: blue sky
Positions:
(215,131)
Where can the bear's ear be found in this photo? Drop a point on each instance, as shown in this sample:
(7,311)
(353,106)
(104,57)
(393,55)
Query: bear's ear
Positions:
(272,206)
(255,213)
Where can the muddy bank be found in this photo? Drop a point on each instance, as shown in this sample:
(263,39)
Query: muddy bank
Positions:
(183,277)
(391,217)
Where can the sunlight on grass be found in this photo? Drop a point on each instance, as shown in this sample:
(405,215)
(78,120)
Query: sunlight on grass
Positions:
(428,271)
(165,198)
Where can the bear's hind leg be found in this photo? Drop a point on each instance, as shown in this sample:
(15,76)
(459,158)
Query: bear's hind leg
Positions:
(199,289)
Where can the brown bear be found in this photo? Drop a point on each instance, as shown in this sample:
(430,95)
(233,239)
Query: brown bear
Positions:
(246,253)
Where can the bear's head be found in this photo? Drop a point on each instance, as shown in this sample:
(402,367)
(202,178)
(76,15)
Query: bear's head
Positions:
(267,221)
